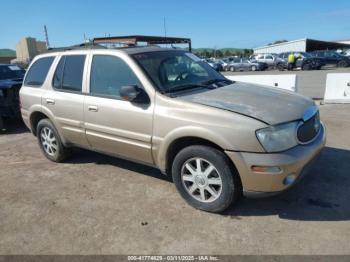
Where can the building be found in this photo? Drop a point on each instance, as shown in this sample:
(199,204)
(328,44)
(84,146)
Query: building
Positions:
(301,45)
(6,55)
(27,48)
(344,41)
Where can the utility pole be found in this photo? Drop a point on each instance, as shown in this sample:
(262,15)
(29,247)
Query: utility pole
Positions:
(46,37)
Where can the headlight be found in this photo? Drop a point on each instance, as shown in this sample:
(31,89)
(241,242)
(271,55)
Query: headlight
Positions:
(279,137)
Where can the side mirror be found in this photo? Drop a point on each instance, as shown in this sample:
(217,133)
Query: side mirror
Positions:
(133,93)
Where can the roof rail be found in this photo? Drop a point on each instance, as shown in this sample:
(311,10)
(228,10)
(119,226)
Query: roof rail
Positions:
(88,45)
(133,40)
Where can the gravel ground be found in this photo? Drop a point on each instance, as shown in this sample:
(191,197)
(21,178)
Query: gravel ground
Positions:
(95,204)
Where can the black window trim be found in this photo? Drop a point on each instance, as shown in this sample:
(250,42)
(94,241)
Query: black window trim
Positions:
(64,65)
(105,96)
(48,71)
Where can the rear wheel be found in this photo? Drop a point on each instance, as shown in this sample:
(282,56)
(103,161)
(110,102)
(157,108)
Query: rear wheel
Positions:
(50,142)
(253,68)
(204,178)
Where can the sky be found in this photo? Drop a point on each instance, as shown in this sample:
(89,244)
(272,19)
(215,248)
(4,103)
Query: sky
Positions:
(212,24)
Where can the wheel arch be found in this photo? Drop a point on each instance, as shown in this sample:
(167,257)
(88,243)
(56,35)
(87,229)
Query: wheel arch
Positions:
(182,142)
(35,118)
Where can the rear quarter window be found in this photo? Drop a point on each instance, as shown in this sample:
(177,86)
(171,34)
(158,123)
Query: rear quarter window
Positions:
(38,71)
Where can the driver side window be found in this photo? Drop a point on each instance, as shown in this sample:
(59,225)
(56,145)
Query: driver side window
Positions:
(109,74)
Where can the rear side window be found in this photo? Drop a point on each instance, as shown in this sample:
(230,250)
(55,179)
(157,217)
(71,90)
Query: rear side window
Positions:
(109,74)
(38,71)
(69,73)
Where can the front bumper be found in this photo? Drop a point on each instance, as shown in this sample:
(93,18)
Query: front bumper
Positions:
(294,162)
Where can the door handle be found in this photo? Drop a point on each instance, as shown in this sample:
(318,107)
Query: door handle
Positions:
(50,101)
(93,108)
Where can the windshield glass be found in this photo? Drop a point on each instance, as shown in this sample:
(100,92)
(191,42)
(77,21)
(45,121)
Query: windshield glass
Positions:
(173,70)
(11,72)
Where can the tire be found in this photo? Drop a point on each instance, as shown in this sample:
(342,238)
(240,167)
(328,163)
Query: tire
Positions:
(306,67)
(48,137)
(227,193)
(280,67)
(253,68)
(342,64)
(232,69)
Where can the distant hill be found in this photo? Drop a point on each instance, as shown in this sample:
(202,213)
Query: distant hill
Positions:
(7,53)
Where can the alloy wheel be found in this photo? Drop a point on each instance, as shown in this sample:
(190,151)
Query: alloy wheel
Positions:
(48,141)
(201,180)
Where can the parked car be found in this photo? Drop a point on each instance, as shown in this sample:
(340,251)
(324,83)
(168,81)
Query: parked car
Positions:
(333,58)
(224,64)
(244,64)
(272,60)
(167,108)
(214,64)
(304,61)
(11,77)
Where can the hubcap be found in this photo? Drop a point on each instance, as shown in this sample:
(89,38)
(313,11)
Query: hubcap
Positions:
(48,141)
(201,180)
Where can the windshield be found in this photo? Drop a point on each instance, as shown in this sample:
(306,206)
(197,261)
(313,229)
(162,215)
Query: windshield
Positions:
(11,72)
(176,70)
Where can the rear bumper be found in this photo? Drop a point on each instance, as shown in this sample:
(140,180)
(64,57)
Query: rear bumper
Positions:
(293,163)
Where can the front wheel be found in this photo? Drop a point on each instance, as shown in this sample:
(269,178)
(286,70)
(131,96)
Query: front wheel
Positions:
(342,64)
(306,67)
(232,69)
(50,142)
(253,68)
(205,179)
(280,67)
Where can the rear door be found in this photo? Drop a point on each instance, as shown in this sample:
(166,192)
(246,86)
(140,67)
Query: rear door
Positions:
(33,86)
(65,99)
(112,124)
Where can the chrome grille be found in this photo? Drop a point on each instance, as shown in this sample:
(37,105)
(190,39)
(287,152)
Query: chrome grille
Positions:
(308,130)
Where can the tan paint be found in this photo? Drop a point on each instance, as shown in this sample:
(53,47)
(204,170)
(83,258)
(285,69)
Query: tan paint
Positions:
(145,132)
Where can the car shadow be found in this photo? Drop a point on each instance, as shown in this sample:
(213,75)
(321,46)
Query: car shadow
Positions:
(82,156)
(322,195)
(13,126)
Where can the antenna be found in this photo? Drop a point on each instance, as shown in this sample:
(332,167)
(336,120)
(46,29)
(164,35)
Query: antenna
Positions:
(46,37)
(164,24)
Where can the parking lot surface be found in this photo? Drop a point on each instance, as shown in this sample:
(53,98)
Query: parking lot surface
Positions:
(96,204)
(310,83)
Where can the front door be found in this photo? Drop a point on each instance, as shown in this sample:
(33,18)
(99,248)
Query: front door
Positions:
(112,124)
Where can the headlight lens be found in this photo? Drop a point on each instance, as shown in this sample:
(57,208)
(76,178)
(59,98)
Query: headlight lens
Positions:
(279,137)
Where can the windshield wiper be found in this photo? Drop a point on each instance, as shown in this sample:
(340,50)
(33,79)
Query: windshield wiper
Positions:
(216,80)
(187,87)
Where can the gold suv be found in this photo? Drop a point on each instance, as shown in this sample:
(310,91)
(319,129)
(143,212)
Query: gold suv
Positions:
(167,108)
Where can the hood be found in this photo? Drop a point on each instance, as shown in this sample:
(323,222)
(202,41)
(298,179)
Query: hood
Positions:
(9,83)
(268,104)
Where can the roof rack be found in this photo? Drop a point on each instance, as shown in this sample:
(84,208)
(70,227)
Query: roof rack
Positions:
(133,40)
